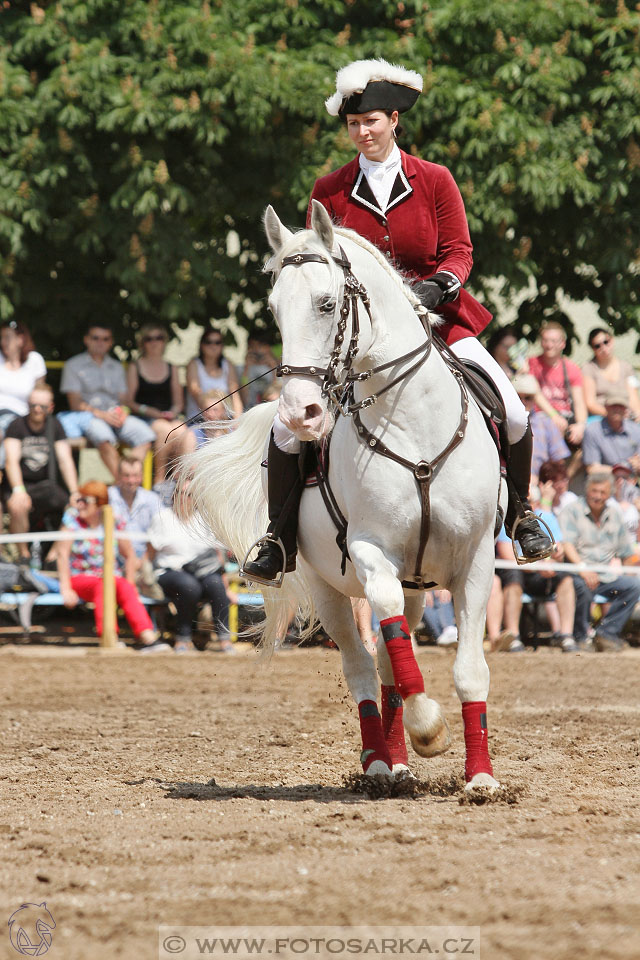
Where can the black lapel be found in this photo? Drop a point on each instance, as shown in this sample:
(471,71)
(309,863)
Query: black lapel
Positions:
(401,190)
(363,193)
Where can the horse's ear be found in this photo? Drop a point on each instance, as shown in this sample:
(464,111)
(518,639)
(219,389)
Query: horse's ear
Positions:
(321,224)
(277,233)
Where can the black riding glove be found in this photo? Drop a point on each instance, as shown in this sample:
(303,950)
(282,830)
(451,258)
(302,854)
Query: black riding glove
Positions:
(440,288)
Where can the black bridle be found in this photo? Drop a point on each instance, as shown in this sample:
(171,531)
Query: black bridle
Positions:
(338,387)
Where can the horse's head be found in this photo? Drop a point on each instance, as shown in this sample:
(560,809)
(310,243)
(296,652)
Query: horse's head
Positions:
(306,301)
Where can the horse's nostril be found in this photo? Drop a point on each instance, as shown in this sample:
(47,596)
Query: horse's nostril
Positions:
(312,411)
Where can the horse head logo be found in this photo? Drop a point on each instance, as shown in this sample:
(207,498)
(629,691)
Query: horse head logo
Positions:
(30,929)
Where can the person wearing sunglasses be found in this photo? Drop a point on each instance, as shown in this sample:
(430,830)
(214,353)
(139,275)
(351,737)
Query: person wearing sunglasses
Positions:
(210,370)
(96,389)
(81,565)
(606,374)
(155,395)
(40,472)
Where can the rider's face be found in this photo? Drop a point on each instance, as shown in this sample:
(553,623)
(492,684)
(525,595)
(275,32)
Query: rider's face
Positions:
(372,133)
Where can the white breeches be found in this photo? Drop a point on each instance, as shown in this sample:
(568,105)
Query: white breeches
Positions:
(466,349)
(517,417)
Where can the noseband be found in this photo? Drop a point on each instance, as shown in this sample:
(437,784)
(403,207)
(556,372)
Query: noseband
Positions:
(339,387)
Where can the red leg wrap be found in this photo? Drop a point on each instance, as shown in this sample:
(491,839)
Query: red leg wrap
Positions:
(407,678)
(373,742)
(476,739)
(392,726)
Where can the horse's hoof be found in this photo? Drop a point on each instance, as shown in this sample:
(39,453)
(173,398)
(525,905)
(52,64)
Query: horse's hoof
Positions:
(483,781)
(426,726)
(402,772)
(379,768)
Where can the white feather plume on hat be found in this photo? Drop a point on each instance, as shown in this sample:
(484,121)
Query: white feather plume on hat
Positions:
(357,75)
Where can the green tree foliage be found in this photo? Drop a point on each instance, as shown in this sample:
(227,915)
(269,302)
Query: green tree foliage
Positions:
(135,134)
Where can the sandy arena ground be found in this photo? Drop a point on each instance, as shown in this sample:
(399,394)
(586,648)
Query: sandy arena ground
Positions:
(110,814)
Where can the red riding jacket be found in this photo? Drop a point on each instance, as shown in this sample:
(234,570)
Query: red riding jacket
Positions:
(423,230)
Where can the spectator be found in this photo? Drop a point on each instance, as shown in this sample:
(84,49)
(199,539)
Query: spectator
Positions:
(439,618)
(156,396)
(561,391)
(216,416)
(627,496)
(38,456)
(499,344)
(595,534)
(614,439)
(189,574)
(132,504)
(259,360)
(210,371)
(21,369)
(606,374)
(556,588)
(95,384)
(272,392)
(548,442)
(553,481)
(81,565)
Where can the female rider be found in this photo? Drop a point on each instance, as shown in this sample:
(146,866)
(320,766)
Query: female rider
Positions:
(413,212)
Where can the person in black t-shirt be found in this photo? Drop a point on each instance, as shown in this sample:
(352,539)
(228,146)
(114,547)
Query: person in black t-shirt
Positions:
(32,486)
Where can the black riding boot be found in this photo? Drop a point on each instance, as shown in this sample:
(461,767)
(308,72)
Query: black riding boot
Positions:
(285,487)
(534,542)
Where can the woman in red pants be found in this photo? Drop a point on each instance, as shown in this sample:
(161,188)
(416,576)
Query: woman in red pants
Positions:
(81,565)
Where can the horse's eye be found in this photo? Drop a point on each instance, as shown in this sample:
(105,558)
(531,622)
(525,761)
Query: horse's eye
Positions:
(327,304)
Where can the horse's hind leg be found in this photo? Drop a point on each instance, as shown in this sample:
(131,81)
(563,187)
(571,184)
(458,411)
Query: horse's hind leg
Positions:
(423,718)
(335,613)
(470,670)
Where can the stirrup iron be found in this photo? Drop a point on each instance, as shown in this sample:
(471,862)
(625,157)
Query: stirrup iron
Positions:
(522,560)
(267,538)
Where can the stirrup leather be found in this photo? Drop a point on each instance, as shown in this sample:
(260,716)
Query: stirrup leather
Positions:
(268,538)
(521,560)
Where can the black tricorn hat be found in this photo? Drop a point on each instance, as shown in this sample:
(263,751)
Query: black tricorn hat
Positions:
(366,85)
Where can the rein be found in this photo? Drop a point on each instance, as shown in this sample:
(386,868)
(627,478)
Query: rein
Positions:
(333,384)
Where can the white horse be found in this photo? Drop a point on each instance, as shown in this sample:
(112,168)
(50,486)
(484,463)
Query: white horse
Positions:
(421,411)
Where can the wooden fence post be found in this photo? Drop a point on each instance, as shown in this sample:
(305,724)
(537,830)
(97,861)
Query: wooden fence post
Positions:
(109,638)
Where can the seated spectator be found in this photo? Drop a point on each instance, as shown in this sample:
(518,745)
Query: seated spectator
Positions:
(132,504)
(259,360)
(21,369)
(561,390)
(156,396)
(95,385)
(500,344)
(189,572)
(272,392)
(555,587)
(548,441)
(627,496)
(216,416)
(210,370)
(613,439)
(81,565)
(606,374)
(553,481)
(439,618)
(594,533)
(38,458)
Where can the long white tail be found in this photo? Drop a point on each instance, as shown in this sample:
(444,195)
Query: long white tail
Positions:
(225,477)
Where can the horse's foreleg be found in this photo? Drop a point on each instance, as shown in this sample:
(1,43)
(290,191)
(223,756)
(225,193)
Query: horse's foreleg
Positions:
(391,701)
(423,718)
(470,670)
(336,615)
